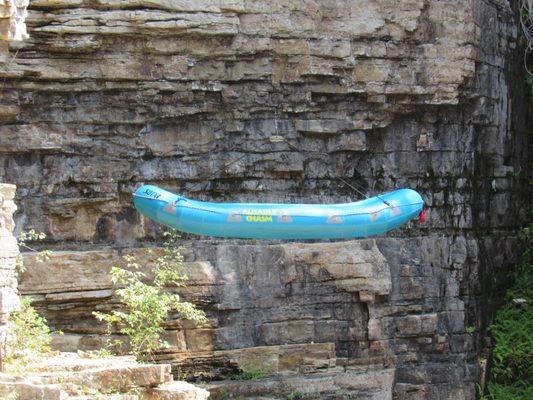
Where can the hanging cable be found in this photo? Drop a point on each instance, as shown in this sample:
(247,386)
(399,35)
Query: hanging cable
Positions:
(281,139)
(224,167)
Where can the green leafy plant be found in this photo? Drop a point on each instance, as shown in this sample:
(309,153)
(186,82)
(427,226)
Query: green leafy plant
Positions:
(146,305)
(251,373)
(31,236)
(28,336)
(296,395)
(512,331)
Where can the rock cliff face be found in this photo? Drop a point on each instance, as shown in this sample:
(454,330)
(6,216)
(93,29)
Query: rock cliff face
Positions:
(107,94)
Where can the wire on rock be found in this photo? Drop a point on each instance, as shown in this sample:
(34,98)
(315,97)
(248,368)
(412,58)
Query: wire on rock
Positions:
(281,139)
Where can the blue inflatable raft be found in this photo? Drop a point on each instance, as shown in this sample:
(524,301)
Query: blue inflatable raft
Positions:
(363,218)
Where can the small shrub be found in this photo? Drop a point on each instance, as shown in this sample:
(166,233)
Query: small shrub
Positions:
(147,305)
(28,336)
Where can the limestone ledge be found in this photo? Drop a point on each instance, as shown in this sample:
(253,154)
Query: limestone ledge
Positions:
(344,275)
(355,266)
(76,376)
(287,359)
(368,383)
(281,43)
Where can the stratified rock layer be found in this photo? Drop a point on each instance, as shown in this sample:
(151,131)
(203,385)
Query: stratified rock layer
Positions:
(327,318)
(108,94)
(187,95)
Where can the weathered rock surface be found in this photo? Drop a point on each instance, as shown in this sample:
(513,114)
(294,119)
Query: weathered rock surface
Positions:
(109,94)
(351,384)
(69,376)
(313,310)
(175,391)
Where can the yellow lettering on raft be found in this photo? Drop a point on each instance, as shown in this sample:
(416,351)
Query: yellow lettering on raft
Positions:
(259,218)
(259,212)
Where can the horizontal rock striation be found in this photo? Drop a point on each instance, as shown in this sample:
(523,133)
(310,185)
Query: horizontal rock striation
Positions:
(271,299)
(109,94)
(188,94)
